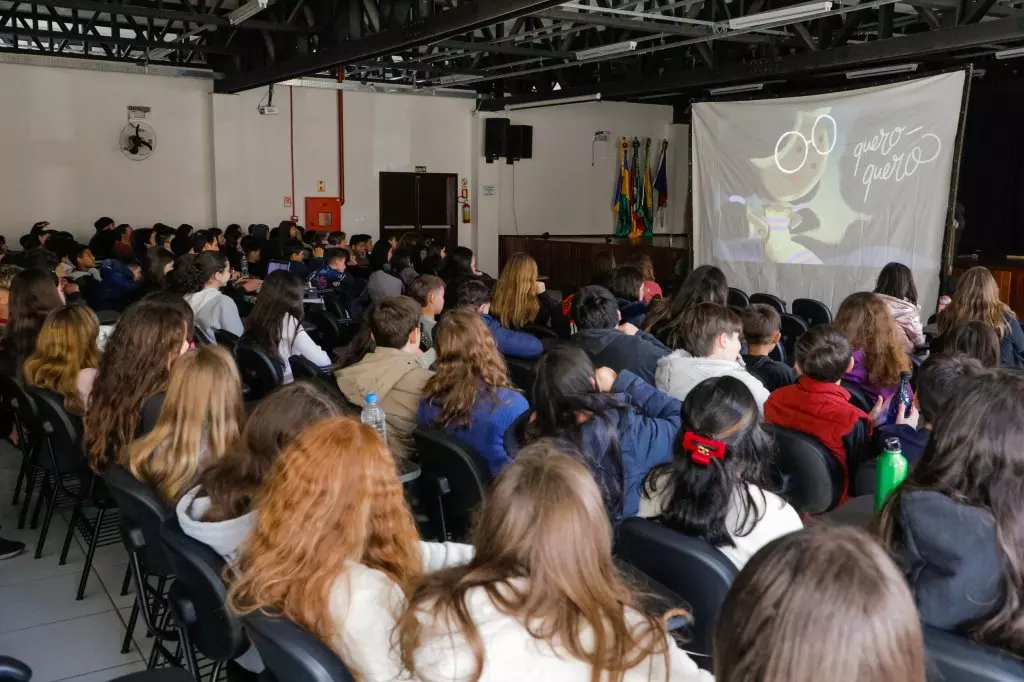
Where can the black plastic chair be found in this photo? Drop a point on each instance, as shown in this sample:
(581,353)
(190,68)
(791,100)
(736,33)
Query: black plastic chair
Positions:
(198,602)
(72,478)
(260,373)
(812,476)
(953,658)
(454,477)
(689,567)
(858,398)
(812,312)
(225,338)
(521,372)
(328,329)
(542,333)
(161,675)
(737,298)
(13,670)
(143,514)
(769,299)
(25,418)
(303,369)
(793,328)
(291,654)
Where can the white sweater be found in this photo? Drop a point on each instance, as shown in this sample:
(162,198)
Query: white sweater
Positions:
(213,310)
(779,519)
(512,654)
(295,341)
(679,372)
(365,605)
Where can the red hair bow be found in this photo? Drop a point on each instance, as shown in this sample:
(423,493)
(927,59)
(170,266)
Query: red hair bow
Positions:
(702,449)
(567,306)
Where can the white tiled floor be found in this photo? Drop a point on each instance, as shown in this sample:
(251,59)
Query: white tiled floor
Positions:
(41,623)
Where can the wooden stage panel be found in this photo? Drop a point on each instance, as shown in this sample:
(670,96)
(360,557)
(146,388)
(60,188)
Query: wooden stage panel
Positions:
(1009,275)
(568,261)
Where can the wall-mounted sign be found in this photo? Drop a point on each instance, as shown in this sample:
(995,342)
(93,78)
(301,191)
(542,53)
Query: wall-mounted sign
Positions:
(488,190)
(421,169)
(321,186)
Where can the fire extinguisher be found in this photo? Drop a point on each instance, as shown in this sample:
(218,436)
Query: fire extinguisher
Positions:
(467,213)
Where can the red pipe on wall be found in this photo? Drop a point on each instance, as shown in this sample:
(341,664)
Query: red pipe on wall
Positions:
(291,143)
(341,138)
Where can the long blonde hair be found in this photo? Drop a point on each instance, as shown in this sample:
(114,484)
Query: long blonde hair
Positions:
(514,302)
(334,496)
(201,418)
(976,299)
(66,345)
(545,522)
(820,604)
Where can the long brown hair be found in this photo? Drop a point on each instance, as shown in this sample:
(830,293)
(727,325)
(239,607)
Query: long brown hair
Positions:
(819,604)
(233,482)
(467,361)
(67,345)
(333,497)
(974,457)
(515,302)
(865,320)
(544,521)
(201,418)
(35,293)
(135,365)
(976,298)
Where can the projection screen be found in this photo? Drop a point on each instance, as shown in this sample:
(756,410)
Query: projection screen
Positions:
(811,196)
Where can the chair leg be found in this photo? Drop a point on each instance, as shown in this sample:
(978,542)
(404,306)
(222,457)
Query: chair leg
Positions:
(52,502)
(26,502)
(127,582)
(45,492)
(126,646)
(190,654)
(89,555)
(69,536)
(22,474)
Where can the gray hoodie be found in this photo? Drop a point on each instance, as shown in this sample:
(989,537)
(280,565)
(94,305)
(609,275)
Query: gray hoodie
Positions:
(679,372)
(213,310)
(224,537)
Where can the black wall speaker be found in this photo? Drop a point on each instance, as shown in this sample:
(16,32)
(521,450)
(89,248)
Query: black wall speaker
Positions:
(495,138)
(520,143)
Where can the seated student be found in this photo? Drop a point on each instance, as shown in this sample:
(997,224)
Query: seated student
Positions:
(252,248)
(333,276)
(761,329)
(895,286)
(475,296)
(977,298)
(34,295)
(974,339)
(392,371)
(381,283)
(428,292)
(201,279)
(203,240)
(822,604)
(293,254)
(518,299)
(66,356)
(621,425)
(601,269)
(878,358)
(711,349)
(718,487)
(643,263)
(470,395)
(401,266)
(7,275)
(275,323)
(628,287)
(123,242)
(118,283)
(336,240)
(954,524)
(158,266)
(938,383)
(134,369)
(220,510)
(610,342)
(335,547)
(83,263)
(543,598)
(359,245)
(706,284)
(459,267)
(199,422)
(102,243)
(817,405)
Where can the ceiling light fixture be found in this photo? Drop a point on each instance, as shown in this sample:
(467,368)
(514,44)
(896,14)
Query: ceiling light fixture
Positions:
(606,50)
(160,53)
(793,13)
(730,89)
(1010,54)
(882,71)
(553,102)
(249,9)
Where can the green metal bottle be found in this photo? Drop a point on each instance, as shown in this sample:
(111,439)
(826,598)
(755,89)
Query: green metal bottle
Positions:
(890,470)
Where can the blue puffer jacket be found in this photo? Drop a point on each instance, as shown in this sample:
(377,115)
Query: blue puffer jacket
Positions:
(512,343)
(113,291)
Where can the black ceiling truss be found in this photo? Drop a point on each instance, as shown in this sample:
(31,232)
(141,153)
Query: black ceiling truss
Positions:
(515,51)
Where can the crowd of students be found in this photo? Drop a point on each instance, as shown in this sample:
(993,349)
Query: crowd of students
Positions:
(649,406)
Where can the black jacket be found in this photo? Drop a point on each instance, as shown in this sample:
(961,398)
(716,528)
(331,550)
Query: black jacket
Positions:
(772,373)
(617,350)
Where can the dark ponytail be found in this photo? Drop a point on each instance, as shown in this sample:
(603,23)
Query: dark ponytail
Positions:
(192,272)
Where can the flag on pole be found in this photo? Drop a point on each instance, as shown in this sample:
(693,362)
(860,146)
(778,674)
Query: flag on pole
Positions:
(648,203)
(622,207)
(636,227)
(661,184)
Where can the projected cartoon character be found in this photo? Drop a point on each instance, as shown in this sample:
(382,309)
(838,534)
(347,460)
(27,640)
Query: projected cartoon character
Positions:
(800,160)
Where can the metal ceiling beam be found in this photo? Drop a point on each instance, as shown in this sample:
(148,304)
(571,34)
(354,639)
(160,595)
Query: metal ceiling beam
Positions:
(874,52)
(645,27)
(462,19)
(170,15)
(111,40)
(503,49)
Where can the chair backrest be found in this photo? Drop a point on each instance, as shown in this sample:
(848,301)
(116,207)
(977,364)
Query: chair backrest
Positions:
(737,298)
(200,594)
(13,670)
(158,675)
(143,514)
(953,658)
(811,474)
(769,299)
(857,396)
(260,373)
(690,567)
(226,339)
(792,329)
(61,432)
(455,476)
(542,333)
(303,369)
(521,372)
(24,414)
(328,329)
(812,312)
(291,654)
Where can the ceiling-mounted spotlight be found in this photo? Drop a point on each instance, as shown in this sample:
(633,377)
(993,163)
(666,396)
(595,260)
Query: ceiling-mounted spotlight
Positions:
(1010,54)
(606,50)
(731,89)
(882,71)
(792,13)
(249,9)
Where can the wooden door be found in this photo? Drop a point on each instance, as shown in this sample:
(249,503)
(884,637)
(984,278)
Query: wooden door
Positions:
(419,201)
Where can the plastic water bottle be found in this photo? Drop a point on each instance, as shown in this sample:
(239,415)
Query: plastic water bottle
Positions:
(245,266)
(373,416)
(903,398)
(890,470)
